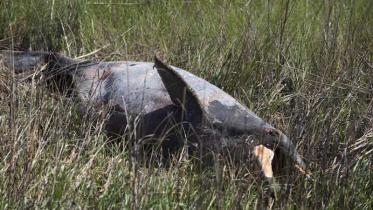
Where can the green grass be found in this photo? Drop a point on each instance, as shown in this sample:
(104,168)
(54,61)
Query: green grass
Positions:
(304,66)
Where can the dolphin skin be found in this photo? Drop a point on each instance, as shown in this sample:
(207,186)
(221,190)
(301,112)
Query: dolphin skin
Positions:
(166,102)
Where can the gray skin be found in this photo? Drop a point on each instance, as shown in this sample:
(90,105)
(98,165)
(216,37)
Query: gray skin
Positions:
(161,99)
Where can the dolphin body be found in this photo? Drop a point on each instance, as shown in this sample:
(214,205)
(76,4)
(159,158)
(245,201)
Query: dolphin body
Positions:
(159,97)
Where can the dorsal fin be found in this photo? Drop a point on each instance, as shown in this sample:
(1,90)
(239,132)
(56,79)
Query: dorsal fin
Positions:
(180,92)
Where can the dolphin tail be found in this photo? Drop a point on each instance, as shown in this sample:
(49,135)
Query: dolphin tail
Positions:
(23,61)
(28,61)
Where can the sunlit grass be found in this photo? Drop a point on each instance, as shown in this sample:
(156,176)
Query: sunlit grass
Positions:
(304,66)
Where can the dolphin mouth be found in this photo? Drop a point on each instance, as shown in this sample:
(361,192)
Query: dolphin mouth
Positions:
(289,149)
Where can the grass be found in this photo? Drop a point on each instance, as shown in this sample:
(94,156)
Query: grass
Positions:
(304,66)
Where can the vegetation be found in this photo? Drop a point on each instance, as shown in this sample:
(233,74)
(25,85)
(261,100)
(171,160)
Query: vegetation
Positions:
(304,66)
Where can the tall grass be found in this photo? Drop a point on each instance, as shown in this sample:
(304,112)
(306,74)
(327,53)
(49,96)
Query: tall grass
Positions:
(304,66)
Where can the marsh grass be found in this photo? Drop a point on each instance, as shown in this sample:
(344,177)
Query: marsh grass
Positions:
(304,66)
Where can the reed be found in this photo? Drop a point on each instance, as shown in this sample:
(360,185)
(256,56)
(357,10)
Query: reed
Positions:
(304,66)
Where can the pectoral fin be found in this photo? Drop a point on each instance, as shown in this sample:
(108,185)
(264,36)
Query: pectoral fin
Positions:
(180,92)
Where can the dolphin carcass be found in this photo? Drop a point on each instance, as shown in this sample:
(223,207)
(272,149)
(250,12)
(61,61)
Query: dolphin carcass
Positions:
(166,103)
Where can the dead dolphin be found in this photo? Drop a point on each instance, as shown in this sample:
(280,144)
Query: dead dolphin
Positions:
(208,107)
(159,97)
